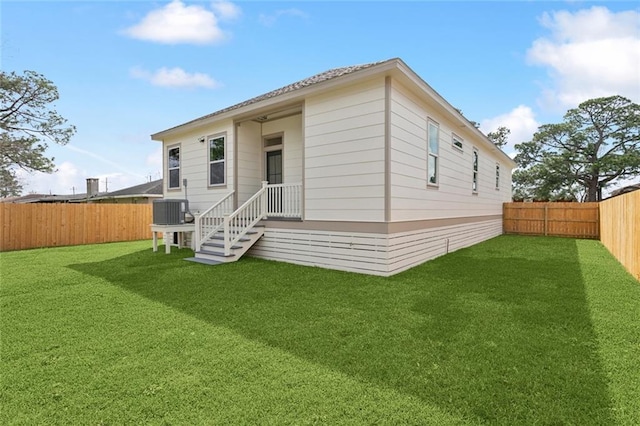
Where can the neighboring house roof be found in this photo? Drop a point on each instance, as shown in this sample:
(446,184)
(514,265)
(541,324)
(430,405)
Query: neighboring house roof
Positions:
(43,198)
(319,82)
(148,188)
(151,189)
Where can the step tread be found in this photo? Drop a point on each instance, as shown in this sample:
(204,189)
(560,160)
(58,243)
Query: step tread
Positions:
(221,237)
(220,245)
(214,253)
(204,261)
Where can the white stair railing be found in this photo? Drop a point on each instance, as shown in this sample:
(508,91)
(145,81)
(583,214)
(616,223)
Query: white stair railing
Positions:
(284,200)
(238,223)
(278,200)
(212,220)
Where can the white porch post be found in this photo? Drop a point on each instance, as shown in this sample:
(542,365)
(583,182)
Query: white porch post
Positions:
(227,239)
(197,233)
(265,199)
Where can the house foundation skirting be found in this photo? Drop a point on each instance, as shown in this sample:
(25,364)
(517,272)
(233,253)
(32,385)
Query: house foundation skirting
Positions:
(376,253)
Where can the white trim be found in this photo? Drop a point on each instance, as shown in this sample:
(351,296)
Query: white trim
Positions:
(454,138)
(179,168)
(266,149)
(216,136)
(435,155)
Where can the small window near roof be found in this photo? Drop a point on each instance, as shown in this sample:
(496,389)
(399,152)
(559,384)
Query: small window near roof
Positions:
(474,185)
(456,141)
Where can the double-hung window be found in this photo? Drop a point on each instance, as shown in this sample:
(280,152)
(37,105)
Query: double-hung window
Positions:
(216,160)
(433,142)
(474,185)
(173,167)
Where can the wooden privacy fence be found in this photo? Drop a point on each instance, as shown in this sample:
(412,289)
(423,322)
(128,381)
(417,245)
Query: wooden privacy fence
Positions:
(26,226)
(620,229)
(578,220)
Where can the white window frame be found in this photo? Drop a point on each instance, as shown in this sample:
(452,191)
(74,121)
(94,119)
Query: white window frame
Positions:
(457,138)
(475,167)
(435,155)
(497,176)
(169,168)
(211,138)
(268,148)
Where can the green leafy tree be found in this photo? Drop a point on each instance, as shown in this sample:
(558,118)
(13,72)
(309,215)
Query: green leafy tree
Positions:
(597,144)
(499,137)
(27,121)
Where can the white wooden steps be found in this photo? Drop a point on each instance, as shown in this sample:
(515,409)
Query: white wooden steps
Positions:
(212,251)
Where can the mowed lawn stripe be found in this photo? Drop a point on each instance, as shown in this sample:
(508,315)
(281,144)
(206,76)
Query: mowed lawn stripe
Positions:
(507,332)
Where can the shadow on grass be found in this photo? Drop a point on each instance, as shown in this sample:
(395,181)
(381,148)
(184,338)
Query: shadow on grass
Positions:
(499,332)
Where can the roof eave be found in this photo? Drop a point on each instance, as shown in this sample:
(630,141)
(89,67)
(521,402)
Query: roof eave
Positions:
(453,112)
(297,95)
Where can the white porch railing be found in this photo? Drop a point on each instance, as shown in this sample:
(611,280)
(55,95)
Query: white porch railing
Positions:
(238,223)
(278,200)
(284,200)
(212,220)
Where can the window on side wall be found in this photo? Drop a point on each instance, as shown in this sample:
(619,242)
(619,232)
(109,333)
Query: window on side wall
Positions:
(474,185)
(456,141)
(497,176)
(216,160)
(173,167)
(433,142)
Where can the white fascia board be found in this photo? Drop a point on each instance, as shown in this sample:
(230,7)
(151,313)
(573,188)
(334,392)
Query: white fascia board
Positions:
(416,80)
(289,98)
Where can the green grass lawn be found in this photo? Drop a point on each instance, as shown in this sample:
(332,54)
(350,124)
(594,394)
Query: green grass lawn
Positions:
(516,330)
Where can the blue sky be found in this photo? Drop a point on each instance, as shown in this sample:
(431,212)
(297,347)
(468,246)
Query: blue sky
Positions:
(125,70)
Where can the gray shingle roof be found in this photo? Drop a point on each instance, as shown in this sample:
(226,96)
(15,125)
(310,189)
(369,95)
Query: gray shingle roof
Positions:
(310,81)
(148,188)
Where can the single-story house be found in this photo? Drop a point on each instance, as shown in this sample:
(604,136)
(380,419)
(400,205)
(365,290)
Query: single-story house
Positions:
(364,168)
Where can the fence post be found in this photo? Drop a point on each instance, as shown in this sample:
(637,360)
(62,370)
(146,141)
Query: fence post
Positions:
(546,218)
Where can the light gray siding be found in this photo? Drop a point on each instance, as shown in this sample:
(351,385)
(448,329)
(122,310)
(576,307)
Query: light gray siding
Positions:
(250,173)
(194,164)
(411,197)
(344,153)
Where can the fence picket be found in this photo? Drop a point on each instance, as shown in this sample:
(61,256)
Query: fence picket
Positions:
(580,220)
(620,229)
(27,226)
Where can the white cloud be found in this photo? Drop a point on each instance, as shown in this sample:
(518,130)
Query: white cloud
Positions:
(178,23)
(226,10)
(67,179)
(175,77)
(269,20)
(590,53)
(520,120)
